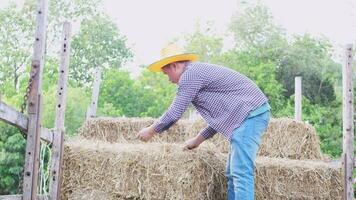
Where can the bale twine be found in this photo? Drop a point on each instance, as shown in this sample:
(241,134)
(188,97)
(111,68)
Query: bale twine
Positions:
(100,170)
(282,178)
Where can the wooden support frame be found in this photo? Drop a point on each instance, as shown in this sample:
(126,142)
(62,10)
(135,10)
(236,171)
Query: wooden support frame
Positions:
(30,177)
(298,98)
(348,158)
(57,147)
(32,123)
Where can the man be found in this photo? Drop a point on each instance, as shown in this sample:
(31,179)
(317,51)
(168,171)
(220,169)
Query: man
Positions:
(229,102)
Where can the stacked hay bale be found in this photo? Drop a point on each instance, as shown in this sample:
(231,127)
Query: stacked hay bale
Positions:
(140,171)
(108,162)
(284,138)
(288,138)
(112,163)
(283,178)
(124,130)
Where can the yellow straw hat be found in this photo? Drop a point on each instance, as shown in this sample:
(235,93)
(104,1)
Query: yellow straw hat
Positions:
(170,54)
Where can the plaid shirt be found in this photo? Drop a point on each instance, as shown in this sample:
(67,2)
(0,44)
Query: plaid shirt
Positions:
(223,97)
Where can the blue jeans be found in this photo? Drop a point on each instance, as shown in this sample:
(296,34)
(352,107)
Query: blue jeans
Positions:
(244,145)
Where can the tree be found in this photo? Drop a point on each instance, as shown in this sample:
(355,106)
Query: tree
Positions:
(310,58)
(204,42)
(76,107)
(67,10)
(15,44)
(256,34)
(17,26)
(262,73)
(119,92)
(156,93)
(97,45)
(148,96)
(254,31)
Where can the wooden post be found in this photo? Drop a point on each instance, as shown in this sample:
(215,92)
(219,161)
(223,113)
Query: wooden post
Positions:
(59,129)
(348,126)
(298,98)
(91,112)
(34,106)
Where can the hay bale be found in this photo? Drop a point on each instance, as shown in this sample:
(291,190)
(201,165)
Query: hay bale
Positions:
(284,138)
(288,138)
(124,130)
(281,178)
(222,144)
(100,170)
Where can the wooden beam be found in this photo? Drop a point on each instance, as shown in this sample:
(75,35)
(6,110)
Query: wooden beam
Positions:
(57,147)
(91,112)
(348,126)
(30,177)
(298,98)
(13,117)
(19,197)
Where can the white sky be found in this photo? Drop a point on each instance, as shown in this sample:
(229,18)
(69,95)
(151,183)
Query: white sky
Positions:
(334,19)
(149,25)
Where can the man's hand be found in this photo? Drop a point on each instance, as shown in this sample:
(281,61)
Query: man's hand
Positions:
(146,134)
(193,142)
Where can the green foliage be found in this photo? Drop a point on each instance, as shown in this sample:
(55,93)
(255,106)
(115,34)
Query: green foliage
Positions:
(15,33)
(97,45)
(118,90)
(254,31)
(204,43)
(50,74)
(157,93)
(309,58)
(61,11)
(325,119)
(17,26)
(108,109)
(263,74)
(76,106)
(148,96)
(12,156)
(78,101)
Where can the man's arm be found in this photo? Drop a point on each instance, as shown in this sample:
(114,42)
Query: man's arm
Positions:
(194,142)
(188,88)
(208,132)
